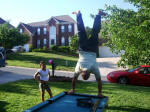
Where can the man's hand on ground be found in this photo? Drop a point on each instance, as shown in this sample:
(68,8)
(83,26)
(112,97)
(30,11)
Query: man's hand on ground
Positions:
(100,95)
(71,91)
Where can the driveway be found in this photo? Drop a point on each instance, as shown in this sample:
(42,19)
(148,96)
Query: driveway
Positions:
(9,73)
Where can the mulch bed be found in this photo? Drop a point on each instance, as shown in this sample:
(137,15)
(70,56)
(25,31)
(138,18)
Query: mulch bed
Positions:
(60,79)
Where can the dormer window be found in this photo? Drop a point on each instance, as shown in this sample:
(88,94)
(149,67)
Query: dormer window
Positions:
(44,31)
(21,31)
(69,28)
(62,28)
(38,31)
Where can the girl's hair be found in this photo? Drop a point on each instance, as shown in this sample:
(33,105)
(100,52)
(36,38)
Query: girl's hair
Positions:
(42,63)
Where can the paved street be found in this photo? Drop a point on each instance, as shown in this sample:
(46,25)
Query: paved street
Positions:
(9,73)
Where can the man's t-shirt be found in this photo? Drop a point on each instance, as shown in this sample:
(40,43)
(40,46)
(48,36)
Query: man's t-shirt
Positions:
(44,74)
(87,61)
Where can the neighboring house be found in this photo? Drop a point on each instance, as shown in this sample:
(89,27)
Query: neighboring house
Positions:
(54,31)
(2,21)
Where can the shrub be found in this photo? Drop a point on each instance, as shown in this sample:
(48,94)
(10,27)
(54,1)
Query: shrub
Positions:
(30,47)
(54,48)
(64,49)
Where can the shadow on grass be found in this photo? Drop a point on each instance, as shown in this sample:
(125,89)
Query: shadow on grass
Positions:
(2,106)
(36,59)
(127,109)
(26,87)
(21,87)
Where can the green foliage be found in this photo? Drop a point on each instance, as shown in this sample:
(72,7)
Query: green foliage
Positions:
(74,43)
(129,31)
(30,47)
(88,31)
(65,49)
(54,47)
(10,37)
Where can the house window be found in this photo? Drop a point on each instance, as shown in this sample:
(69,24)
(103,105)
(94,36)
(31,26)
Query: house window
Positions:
(69,28)
(45,42)
(62,28)
(38,31)
(63,41)
(44,30)
(52,41)
(21,31)
(38,43)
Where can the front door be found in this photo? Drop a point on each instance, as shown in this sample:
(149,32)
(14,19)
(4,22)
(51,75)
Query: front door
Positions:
(52,36)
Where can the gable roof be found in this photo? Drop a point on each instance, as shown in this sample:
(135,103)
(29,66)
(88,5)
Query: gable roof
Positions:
(39,24)
(64,18)
(31,29)
(59,19)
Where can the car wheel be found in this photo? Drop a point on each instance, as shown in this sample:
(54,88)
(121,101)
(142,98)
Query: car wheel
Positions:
(123,80)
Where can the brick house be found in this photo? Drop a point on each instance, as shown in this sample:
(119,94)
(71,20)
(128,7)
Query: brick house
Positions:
(55,31)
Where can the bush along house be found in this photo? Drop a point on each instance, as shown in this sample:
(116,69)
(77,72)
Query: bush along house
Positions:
(55,31)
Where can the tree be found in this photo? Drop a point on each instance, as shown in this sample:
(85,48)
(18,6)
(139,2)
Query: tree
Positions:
(129,30)
(10,37)
(74,43)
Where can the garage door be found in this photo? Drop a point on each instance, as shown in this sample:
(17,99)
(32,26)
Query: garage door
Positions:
(105,52)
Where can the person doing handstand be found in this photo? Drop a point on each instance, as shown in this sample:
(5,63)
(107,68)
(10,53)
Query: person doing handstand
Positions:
(88,48)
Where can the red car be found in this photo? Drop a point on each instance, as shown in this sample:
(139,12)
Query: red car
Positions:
(136,76)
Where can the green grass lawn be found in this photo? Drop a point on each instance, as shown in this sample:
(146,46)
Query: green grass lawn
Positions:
(21,95)
(32,60)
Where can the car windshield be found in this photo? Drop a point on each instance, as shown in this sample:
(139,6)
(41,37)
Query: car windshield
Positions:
(131,70)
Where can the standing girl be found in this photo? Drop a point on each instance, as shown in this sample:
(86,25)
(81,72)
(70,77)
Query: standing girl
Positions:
(43,79)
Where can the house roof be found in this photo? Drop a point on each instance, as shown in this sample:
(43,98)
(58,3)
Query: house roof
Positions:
(39,24)
(64,18)
(59,19)
(29,28)
(2,21)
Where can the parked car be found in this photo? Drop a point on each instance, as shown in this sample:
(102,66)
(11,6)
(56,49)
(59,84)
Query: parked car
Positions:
(137,76)
(18,49)
(2,57)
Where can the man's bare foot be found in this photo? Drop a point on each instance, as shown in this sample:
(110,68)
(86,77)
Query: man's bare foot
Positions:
(71,91)
(101,13)
(76,12)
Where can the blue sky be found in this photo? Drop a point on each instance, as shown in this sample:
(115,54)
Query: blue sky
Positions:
(28,11)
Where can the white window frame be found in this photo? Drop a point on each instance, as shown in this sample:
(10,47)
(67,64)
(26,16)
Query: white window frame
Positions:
(38,31)
(63,41)
(62,28)
(69,28)
(45,31)
(21,30)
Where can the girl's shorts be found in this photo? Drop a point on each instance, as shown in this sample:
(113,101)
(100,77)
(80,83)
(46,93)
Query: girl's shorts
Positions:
(43,86)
